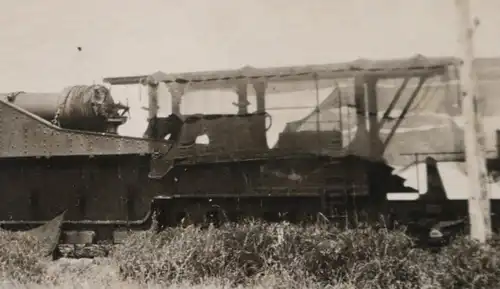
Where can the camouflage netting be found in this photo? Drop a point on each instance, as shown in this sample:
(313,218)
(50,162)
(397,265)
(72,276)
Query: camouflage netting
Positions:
(433,123)
(307,99)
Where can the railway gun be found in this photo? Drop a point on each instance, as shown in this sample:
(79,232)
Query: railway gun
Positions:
(61,153)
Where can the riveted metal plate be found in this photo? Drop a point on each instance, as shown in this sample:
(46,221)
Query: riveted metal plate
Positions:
(26,135)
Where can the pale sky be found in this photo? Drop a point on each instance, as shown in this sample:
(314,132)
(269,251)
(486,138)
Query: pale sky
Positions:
(123,37)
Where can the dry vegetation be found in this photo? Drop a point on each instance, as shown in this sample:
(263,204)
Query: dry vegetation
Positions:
(257,255)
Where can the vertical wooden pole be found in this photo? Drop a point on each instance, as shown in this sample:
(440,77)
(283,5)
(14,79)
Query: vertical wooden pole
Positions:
(376,145)
(177,91)
(260,97)
(242,91)
(360,102)
(360,144)
(152,104)
(479,199)
(152,97)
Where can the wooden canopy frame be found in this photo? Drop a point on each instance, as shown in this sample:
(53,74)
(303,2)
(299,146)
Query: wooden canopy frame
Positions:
(365,73)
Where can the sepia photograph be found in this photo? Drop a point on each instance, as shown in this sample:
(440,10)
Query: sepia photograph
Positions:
(250,144)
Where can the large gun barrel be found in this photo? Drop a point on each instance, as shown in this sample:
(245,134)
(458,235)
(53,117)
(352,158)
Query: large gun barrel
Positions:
(81,107)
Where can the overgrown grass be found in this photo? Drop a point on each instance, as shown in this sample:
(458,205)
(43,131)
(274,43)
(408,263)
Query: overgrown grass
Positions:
(21,257)
(259,255)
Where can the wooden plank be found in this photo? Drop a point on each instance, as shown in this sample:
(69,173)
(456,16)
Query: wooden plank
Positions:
(387,68)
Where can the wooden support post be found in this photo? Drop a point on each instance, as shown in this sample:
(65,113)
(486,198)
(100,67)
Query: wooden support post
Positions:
(152,105)
(152,98)
(176,104)
(479,199)
(376,145)
(177,91)
(360,143)
(359,99)
(260,95)
(242,91)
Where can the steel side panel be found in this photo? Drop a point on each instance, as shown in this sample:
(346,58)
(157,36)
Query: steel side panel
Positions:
(23,134)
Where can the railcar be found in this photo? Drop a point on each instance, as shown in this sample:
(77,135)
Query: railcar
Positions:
(61,153)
